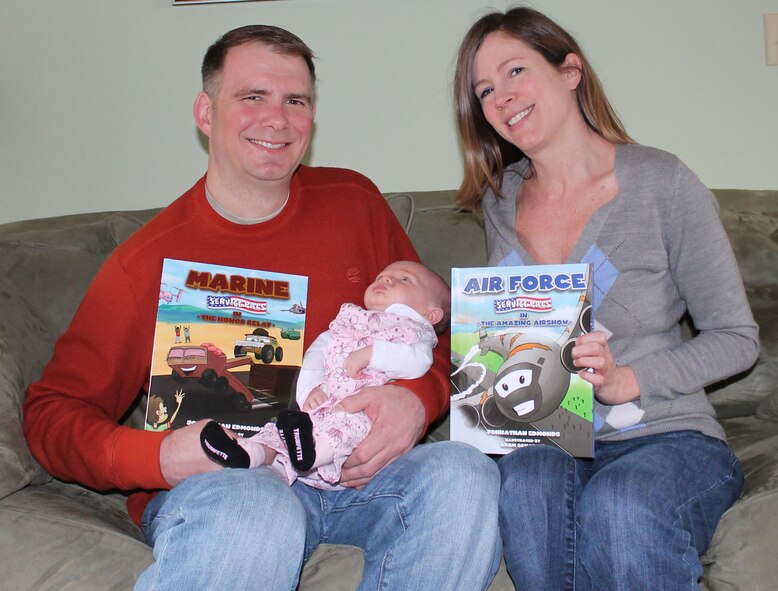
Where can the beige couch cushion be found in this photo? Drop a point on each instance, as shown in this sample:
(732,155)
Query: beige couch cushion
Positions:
(742,555)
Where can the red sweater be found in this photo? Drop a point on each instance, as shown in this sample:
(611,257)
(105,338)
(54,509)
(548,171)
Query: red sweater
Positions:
(336,229)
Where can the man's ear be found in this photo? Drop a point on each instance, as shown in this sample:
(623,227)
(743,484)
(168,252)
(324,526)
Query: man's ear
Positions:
(434,315)
(202,112)
(572,69)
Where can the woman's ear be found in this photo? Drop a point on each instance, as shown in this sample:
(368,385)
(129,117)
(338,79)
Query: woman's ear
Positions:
(571,69)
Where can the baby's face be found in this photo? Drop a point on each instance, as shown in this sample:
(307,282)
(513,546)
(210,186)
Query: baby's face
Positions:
(403,282)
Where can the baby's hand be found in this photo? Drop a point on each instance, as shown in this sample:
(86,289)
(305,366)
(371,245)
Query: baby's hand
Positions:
(315,399)
(357,361)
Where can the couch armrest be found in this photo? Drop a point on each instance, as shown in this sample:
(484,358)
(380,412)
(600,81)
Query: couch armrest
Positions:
(17,466)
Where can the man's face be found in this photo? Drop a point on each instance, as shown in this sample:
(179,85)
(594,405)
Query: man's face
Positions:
(260,120)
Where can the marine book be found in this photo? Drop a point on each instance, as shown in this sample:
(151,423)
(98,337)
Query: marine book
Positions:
(228,345)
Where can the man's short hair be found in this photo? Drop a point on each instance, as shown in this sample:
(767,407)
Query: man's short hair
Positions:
(280,40)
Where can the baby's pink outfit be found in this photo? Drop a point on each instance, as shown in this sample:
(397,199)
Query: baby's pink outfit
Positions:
(341,432)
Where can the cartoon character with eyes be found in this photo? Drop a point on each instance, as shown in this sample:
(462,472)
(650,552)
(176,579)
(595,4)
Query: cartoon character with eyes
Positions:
(533,378)
(530,384)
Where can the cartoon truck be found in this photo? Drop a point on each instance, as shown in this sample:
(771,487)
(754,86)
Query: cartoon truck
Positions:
(259,342)
(208,364)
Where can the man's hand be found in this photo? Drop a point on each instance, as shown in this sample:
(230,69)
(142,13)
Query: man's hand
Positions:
(315,399)
(612,384)
(358,360)
(181,455)
(398,423)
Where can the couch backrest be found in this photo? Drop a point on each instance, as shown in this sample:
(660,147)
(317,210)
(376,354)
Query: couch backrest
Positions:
(443,234)
(47,264)
(45,267)
(751,221)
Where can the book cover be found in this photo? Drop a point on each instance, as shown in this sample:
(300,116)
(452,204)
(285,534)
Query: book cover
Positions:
(513,380)
(228,345)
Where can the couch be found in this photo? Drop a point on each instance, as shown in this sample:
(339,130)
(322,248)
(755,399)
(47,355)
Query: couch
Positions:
(58,535)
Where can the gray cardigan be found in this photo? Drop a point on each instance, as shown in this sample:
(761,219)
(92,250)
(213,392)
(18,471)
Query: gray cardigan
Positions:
(658,250)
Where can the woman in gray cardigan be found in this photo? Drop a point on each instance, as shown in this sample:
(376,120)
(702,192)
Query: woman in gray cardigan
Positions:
(558,180)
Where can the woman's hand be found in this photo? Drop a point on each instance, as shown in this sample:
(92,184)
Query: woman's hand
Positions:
(612,384)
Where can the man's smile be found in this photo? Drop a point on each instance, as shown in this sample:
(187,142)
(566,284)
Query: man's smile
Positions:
(268,145)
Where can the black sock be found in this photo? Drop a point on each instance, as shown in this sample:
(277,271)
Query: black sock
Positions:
(296,430)
(221,448)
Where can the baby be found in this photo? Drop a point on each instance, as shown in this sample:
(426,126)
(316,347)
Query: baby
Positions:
(391,338)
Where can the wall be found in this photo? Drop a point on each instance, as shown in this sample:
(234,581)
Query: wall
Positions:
(96,94)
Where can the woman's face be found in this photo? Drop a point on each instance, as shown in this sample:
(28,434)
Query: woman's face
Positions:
(525,99)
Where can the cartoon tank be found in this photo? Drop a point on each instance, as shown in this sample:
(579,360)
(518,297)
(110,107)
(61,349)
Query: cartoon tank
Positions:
(291,334)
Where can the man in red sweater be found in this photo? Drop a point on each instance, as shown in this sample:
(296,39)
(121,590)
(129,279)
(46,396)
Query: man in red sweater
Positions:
(425,514)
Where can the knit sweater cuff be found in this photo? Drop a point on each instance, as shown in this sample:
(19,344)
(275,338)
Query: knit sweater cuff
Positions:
(136,460)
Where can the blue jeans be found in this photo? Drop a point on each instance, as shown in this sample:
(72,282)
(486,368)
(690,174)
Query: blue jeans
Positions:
(430,517)
(636,517)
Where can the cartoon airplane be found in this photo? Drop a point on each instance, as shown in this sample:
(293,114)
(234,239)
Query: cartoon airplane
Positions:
(534,377)
(174,293)
(296,308)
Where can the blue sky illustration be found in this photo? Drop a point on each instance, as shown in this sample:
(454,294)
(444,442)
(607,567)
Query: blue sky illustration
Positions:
(175,272)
